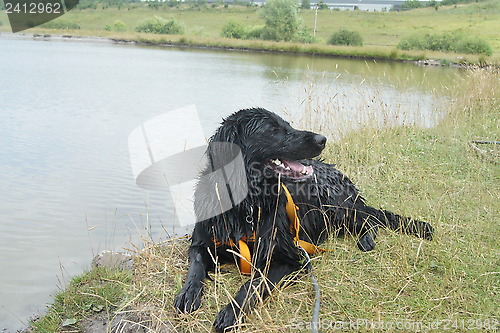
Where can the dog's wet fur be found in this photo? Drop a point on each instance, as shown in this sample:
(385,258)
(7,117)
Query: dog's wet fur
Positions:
(328,202)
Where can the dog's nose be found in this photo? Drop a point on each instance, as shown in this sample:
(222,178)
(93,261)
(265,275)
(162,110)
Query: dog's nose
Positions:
(320,140)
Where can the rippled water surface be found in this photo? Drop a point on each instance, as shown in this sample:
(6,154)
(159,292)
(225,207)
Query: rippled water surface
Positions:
(67,109)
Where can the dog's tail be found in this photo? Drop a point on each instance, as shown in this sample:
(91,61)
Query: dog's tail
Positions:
(400,223)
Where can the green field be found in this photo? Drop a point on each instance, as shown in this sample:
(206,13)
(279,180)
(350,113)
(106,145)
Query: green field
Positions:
(381,31)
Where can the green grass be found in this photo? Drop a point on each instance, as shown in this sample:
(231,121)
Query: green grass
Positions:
(427,173)
(387,29)
(381,31)
(100,291)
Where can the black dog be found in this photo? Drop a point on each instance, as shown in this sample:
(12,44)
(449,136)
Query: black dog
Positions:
(272,153)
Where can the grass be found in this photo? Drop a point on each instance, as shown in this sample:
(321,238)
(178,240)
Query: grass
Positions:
(381,31)
(99,290)
(428,173)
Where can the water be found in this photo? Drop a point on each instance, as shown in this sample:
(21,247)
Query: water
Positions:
(67,109)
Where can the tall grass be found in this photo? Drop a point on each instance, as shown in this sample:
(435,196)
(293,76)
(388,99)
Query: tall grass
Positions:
(451,282)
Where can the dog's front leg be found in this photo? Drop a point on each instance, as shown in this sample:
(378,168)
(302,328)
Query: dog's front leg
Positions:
(253,291)
(275,257)
(200,261)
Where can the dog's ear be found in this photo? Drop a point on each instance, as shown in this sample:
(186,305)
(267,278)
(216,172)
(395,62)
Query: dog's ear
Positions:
(224,145)
(228,131)
(226,171)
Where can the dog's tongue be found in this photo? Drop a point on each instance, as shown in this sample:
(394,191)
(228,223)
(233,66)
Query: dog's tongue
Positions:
(298,167)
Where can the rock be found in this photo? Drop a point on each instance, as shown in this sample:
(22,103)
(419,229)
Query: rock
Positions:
(429,62)
(128,322)
(100,323)
(112,259)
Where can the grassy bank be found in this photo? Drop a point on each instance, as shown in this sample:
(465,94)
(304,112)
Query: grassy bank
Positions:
(381,31)
(451,282)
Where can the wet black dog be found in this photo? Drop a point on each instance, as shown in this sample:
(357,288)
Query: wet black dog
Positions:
(271,151)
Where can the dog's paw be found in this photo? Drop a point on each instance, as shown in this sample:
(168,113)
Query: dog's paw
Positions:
(366,242)
(189,298)
(226,319)
(425,230)
(421,229)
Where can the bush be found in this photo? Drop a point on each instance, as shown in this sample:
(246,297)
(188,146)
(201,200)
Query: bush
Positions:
(304,36)
(159,25)
(474,45)
(323,6)
(60,24)
(411,4)
(87,4)
(406,44)
(446,42)
(239,31)
(255,32)
(234,29)
(346,37)
(116,26)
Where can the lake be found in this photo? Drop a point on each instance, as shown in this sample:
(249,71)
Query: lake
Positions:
(68,107)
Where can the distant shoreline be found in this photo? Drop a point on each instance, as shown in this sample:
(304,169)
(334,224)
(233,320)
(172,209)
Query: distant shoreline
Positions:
(381,32)
(418,60)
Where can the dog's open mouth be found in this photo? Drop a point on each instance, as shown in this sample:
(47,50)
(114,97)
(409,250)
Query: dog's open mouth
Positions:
(291,169)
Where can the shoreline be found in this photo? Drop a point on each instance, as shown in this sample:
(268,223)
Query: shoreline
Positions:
(257,46)
(204,26)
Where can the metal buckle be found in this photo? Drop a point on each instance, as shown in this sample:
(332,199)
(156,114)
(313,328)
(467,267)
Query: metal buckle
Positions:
(249,217)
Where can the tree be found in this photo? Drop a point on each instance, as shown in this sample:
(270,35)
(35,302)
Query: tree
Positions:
(282,22)
(322,5)
(410,4)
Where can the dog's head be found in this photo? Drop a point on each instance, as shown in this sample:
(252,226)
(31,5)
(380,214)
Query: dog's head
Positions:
(268,144)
